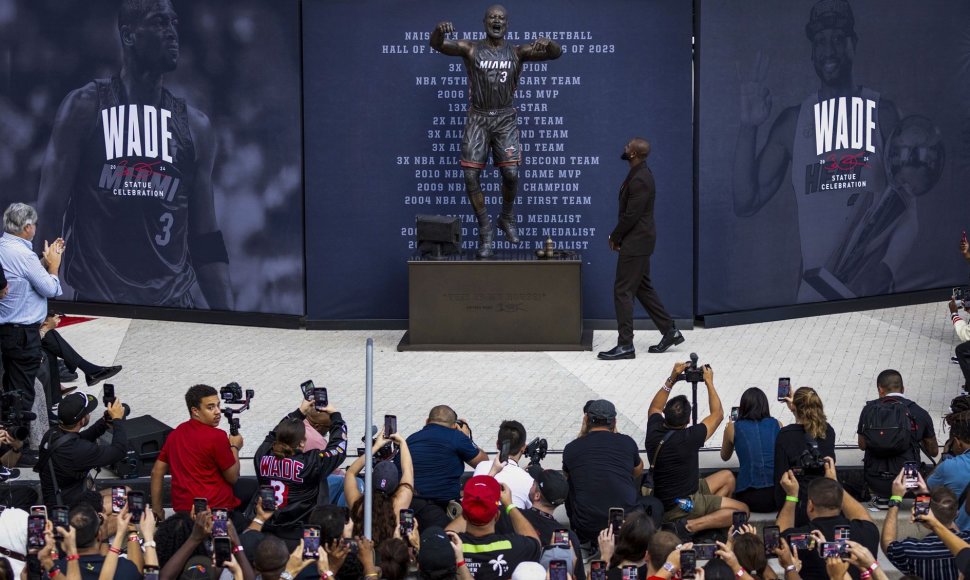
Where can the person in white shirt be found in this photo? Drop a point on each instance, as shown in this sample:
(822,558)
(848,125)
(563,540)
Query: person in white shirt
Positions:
(512,475)
(962,329)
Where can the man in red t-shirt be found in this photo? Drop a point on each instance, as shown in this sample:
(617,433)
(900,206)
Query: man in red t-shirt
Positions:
(202,460)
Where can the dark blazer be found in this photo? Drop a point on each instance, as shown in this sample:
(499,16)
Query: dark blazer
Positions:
(636,232)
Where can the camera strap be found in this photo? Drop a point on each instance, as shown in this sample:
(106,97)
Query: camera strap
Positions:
(52,445)
(656,454)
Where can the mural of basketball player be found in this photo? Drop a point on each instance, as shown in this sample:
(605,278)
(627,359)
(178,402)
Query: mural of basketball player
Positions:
(128,172)
(834,141)
(493,67)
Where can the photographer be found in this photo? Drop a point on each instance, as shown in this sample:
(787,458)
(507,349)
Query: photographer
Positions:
(802,446)
(68,454)
(295,474)
(962,331)
(954,472)
(692,503)
(202,460)
(512,475)
(927,557)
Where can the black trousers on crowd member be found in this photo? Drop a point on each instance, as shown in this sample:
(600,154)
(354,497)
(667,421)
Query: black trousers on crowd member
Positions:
(633,280)
(963,357)
(21,353)
(55,345)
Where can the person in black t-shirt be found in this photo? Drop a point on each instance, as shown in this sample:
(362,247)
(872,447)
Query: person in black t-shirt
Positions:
(672,445)
(603,468)
(880,469)
(549,490)
(492,556)
(827,506)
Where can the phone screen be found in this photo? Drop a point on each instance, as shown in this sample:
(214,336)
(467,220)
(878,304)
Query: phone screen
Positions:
(922,506)
(772,540)
(220,523)
(738,519)
(841,533)
(223,550)
(118,498)
(201,504)
(734,413)
(109,394)
(150,572)
(307,388)
(784,388)
(617,515)
(705,551)
(911,475)
(38,510)
(597,570)
(268,496)
(557,570)
(407,522)
(629,573)
(320,400)
(561,538)
(688,563)
(503,454)
(59,516)
(35,531)
(136,505)
(801,541)
(390,425)
(311,542)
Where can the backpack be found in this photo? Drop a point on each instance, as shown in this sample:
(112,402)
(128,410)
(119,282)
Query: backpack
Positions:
(888,428)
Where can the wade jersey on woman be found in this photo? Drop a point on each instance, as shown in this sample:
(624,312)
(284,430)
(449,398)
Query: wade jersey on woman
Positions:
(126,224)
(493,75)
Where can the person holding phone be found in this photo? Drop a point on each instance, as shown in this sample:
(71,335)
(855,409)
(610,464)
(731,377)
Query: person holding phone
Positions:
(89,535)
(807,441)
(926,557)
(962,330)
(393,490)
(296,475)
(511,435)
(70,450)
(753,436)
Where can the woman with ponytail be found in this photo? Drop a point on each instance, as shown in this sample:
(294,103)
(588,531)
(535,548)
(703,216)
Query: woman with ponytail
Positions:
(799,445)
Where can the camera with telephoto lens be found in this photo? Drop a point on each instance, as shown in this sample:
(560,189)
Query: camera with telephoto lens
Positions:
(810,462)
(13,419)
(694,373)
(536,450)
(232,394)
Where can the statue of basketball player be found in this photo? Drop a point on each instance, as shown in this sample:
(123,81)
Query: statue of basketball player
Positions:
(493,68)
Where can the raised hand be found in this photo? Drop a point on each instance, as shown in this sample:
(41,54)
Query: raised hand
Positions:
(445,27)
(755,96)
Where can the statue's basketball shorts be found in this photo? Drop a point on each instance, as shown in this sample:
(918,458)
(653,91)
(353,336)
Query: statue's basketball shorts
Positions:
(495,130)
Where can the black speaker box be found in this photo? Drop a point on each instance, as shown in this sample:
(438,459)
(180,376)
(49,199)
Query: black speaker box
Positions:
(146,435)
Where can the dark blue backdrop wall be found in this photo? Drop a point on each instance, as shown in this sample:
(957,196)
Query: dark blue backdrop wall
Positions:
(783,198)
(383,116)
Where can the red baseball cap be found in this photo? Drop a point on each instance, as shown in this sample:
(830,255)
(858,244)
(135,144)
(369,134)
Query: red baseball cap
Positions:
(480,502)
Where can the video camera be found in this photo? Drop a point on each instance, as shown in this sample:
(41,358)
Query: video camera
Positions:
(693,373)
(232,394)
(13,419)
(810,462)
(536,451)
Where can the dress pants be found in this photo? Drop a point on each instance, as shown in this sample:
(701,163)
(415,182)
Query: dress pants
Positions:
(20,348)
(633,279)
(963,357)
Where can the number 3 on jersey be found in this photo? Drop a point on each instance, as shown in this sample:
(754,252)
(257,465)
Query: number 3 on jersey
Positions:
(280,491)
(165,237)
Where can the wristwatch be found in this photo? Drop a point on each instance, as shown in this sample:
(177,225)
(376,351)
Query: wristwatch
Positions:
(286,575)
(895,503)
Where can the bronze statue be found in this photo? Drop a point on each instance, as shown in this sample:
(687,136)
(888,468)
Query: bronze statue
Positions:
(493,68)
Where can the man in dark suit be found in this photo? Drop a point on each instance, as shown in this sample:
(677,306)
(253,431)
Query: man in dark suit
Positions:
(635,237)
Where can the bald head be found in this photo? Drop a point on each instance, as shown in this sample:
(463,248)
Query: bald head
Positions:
(443,414)
(641,146)
(496,8)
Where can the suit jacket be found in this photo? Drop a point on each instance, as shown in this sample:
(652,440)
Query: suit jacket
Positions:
(636,232)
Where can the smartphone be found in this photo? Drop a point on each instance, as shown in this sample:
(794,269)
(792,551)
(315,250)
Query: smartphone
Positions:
(841,533)
(311,542)
(109,394)
(835,550)
(503,454)
(738,520)
(922,506)
(220,523)
(390,425)
(268,496)
(801,541)
(35,531)
(407,522)
(629,573)
(118,497)
(772,540)
(150,572)
(307,388)
(597,570)
(560,538)
(784,388)
(734,413)
(911,475)
(222,548)
(59,517)
(320,400)
(688,563)
(351,545)
(705,551)
(200,504)
(617,515)
(38,510)
(136,505)
(557,570)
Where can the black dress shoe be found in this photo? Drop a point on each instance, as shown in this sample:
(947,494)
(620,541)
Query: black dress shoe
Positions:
(28,458)
(102,374)
(618,352)
(672,338)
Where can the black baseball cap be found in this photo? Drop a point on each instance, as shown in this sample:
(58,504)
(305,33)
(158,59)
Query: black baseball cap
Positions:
(436,553)
(74,407)
(600,410)
(553,486)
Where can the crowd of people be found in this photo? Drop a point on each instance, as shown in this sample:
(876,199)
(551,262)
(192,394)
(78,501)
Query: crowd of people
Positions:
(443,508)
